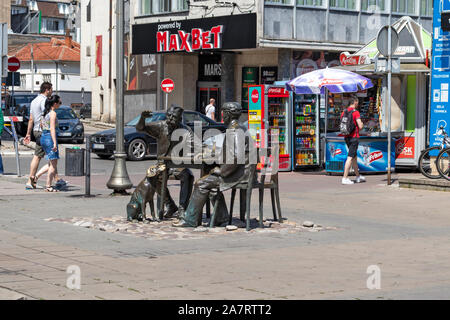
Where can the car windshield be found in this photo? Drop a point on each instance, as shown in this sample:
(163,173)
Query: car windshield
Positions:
(65,114)
(154,117)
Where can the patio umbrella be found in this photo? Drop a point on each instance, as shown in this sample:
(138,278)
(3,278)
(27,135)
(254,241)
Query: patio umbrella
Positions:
(335,80)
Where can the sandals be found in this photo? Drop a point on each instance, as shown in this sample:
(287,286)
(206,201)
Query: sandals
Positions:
(51,189)
(32,185)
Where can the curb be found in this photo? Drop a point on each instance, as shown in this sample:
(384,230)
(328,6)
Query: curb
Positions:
(21,153)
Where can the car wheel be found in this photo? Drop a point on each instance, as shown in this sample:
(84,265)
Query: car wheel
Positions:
(104,156)
(137,150)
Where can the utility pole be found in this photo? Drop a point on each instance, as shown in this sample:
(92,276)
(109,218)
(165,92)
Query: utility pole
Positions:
(119,180)
(389,62)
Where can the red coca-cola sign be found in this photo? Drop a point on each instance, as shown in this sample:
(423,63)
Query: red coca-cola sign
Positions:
(255,96)
(277,92)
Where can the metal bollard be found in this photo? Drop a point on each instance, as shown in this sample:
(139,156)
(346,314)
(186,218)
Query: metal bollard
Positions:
(16,146)
(87,179)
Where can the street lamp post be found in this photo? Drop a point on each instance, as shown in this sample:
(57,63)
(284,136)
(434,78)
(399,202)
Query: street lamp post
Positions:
(119,180)
(389,62)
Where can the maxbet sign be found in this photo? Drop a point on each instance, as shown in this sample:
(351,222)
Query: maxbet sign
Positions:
(197,39)
(225,32)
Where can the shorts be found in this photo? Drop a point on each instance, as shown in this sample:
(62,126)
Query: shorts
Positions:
(47,145)
(39,151)
(352,144)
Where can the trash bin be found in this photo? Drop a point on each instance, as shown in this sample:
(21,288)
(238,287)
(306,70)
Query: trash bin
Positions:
(75,161)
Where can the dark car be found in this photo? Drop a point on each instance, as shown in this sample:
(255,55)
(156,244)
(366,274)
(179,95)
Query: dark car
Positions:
(138,145)
(70,127)
(20,106)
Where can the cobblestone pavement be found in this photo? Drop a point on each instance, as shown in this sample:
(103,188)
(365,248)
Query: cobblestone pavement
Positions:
(403,232)
(164,230)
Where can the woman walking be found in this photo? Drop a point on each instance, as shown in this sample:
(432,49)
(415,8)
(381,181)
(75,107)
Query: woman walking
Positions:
(49,123)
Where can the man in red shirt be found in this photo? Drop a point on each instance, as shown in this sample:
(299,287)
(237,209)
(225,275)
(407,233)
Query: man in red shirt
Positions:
(352,141)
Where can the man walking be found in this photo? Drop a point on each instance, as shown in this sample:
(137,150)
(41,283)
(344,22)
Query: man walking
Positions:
(37,107)
(210,109)
(352,140)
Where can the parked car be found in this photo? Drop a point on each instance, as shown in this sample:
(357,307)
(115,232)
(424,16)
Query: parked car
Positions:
(20,106)
(70,127)
(138,145)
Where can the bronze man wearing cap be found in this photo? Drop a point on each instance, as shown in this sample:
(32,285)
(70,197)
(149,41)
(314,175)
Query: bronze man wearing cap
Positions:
(234,169)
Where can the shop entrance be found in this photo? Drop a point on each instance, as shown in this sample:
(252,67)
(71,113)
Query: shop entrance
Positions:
(206,91)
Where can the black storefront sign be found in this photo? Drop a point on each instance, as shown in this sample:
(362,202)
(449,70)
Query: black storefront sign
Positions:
(209,67)
(269,75)
(219,33)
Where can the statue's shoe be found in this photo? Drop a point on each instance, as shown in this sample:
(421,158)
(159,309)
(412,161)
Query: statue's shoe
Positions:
(182,224)
(170,213)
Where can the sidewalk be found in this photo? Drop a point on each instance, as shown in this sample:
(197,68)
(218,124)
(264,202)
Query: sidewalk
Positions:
(403,231)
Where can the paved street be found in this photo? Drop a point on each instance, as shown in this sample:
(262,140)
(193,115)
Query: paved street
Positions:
(403,232)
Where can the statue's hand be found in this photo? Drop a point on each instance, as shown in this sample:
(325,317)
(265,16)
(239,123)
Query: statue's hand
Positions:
(215,171)
(146,114)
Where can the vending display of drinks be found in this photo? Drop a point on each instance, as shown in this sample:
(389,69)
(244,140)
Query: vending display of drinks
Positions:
(306,125)
(277,122)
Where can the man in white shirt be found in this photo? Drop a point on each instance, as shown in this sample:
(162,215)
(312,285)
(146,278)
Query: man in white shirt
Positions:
(37,107)
(210,109)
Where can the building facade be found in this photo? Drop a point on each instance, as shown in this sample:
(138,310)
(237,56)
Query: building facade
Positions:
(48,17)
(291,38)
(56,61)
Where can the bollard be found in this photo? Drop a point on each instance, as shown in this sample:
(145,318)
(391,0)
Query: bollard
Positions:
(87,179)
(16,147)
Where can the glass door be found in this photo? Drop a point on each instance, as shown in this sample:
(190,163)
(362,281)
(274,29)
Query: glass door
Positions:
(306,109)
(206,91)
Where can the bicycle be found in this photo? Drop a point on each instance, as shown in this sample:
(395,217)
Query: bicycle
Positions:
(426,155)
(443,162)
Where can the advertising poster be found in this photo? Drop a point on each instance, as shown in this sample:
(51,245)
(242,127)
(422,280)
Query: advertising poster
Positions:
(440,76)
(372,155)
(141,71)
(255,111)
(269,75)
(307,61)
(250,76)
(98,56)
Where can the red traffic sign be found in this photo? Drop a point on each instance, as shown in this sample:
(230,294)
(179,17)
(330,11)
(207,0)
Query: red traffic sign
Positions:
(13,64)
(167,85)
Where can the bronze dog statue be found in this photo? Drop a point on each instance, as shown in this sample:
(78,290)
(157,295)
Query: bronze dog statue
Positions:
(143,193)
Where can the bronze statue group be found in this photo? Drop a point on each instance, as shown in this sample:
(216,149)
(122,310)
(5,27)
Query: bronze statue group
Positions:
(222,176)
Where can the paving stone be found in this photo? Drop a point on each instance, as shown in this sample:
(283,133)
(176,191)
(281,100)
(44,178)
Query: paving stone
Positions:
(308,224)
(231,228)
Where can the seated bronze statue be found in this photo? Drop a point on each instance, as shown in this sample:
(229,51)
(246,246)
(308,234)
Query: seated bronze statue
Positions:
(162,131)
(234,157)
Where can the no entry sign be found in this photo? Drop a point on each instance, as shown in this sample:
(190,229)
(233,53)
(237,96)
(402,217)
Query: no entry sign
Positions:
(13,64)
(167,85)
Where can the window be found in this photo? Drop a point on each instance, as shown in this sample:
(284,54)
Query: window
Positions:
(88,12)
(147,7)
(314,3)
(372,5)
(53,25)
(46,77)
(279,1)
(344,4)
(32,5)
(23,80)
(190,117)
(426,7)
(404,6)
(63,8)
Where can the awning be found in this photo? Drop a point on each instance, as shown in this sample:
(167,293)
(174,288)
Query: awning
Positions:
(370,68)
